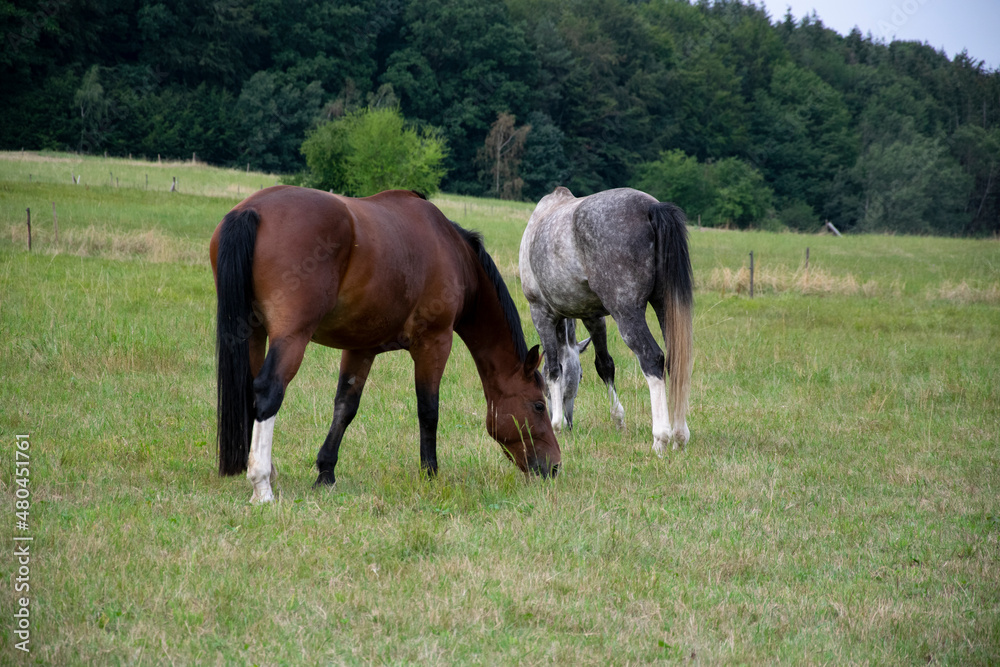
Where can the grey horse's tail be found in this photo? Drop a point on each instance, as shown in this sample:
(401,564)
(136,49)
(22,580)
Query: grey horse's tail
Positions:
(673,273)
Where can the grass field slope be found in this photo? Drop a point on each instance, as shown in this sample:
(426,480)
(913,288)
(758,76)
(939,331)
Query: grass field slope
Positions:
(839,501)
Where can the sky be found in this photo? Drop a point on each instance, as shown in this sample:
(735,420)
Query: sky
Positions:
(951,25)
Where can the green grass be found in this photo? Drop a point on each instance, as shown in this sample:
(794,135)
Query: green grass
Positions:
(837,502)
(123,174)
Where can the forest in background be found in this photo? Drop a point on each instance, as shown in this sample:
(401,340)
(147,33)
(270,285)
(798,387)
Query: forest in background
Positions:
(744,117)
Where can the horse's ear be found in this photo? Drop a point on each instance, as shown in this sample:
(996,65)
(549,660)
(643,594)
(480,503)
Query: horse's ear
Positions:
(583,345)
(532,361)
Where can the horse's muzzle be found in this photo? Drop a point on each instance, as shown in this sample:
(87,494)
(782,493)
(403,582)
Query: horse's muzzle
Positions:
(544,469)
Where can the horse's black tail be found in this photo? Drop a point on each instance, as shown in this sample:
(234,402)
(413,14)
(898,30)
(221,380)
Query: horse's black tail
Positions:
(234,287)
(673,269)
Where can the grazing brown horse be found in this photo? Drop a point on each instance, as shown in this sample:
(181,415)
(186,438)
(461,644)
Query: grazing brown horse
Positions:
(387,272)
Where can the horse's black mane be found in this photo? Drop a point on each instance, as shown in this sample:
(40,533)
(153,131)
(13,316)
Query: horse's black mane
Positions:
(510,314)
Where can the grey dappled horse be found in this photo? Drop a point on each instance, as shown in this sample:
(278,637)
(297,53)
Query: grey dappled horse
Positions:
(610,254)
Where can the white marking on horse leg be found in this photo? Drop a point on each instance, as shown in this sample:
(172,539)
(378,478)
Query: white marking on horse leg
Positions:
(556,405)
(661,420)
(617,411)
(260,472)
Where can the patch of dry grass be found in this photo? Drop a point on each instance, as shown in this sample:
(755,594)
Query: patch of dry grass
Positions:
(778,279)
(963,292)
(151,245)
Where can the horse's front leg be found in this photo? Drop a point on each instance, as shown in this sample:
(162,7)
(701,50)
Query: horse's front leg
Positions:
(547,324)
(430,355)
(354,369)
(605,365)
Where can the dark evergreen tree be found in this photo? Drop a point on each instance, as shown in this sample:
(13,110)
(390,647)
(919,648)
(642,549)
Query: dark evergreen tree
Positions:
(461,63)
(544,165)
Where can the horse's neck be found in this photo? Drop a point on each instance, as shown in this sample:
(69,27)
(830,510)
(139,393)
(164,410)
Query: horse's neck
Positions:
(487,335)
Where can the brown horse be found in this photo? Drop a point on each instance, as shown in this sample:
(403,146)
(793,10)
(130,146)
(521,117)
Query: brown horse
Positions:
(387,272)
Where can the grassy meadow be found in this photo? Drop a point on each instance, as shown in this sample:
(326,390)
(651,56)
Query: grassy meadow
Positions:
(839,502)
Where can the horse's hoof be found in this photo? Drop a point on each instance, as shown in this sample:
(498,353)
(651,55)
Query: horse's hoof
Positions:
(619,417)
(325,480)
(680,437)
(660,447)
(261,498)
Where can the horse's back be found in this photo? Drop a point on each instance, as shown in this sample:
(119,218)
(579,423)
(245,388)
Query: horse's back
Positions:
(303,240)
(353,271)
(408,264)
(613,225)
(584,252)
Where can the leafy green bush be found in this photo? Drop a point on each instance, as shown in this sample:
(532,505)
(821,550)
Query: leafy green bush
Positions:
(372,150)
(800,216)
(723,193)
(742,199)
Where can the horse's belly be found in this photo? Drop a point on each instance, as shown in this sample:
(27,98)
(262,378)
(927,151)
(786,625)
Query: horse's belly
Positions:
(366,327)
(572,298)
(349,336)
(387,322)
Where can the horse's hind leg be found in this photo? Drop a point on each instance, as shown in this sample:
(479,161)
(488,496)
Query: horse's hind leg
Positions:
(605,365)
(679,431)
(636,334)
(354,369)
(280,365)
(258,351)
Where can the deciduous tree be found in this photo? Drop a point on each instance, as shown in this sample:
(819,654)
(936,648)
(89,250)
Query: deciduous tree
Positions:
(500,157)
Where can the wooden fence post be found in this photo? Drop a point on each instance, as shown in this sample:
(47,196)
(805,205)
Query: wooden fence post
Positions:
(751,274)
(29,229)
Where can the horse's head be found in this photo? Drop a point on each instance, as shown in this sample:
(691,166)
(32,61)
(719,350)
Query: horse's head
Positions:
(517,418)
(568,383)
